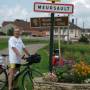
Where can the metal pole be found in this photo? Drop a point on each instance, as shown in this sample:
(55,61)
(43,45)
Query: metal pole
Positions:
(68,31)
(59,44)
(51,40)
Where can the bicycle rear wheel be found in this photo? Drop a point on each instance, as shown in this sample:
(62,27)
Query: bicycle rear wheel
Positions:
(27,82)
(3,79)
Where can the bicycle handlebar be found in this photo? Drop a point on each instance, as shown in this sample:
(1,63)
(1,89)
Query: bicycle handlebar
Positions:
(35,58)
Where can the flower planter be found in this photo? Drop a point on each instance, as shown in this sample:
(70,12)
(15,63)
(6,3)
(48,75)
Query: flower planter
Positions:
(40,84)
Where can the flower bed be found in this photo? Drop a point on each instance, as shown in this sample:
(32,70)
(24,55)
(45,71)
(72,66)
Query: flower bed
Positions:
(77,73)
(67,77)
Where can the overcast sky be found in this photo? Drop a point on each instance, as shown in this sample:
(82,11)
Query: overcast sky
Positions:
(23,9)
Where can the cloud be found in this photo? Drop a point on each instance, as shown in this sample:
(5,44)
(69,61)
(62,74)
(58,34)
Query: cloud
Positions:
(17,12)
(8,13)
(85,3)
(82,12)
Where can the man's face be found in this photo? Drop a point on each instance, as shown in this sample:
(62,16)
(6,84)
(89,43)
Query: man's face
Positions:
(17,33)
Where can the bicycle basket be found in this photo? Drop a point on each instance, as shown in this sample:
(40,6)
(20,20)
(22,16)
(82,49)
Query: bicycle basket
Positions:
(36,58)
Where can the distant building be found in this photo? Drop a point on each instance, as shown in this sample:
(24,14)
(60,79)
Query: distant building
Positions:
(73,32)
(24,26)
(86,31)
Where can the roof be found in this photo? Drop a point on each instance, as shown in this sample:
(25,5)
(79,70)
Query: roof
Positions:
(73,26)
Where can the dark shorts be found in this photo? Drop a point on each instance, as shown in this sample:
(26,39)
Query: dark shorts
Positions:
(16,66)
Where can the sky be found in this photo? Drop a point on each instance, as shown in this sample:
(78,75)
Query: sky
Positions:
(23,9)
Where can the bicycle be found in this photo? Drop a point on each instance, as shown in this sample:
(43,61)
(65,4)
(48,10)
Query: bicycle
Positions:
(27,73)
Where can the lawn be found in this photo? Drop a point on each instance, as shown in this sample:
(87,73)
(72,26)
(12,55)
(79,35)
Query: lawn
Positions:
(4,42)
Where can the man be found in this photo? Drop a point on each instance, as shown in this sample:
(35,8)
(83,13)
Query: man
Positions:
(16,47)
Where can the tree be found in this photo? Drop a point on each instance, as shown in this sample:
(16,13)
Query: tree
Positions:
(10,31)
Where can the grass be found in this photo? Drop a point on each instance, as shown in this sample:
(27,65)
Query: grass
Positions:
(4,42)
(43,66)
(78,50)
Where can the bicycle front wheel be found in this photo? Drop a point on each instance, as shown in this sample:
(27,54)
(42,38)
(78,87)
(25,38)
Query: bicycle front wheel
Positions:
(27,82)
(3,79)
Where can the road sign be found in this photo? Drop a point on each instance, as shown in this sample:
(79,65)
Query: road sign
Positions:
(53,8)
(45,21)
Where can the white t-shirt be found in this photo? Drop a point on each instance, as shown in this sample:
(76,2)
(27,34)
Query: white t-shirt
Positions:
(17,43)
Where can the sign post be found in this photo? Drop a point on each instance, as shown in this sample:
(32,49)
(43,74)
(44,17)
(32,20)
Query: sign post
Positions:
(51,40)
(52,8)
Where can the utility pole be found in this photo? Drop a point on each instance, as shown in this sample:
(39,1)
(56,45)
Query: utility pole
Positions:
(76,29)
(83,28)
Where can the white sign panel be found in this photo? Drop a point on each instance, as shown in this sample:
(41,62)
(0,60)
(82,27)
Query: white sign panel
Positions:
(53,8)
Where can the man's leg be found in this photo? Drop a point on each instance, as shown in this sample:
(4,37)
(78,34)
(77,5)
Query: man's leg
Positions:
(10,78)
(12,71)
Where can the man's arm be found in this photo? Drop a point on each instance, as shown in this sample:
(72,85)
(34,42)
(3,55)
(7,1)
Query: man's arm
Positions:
(26,51)
(16,51)
(12,45)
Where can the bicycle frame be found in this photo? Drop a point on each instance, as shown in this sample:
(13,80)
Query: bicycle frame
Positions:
(27,69)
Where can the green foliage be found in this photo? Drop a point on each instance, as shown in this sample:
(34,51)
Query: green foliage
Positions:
(69,55)
(63,74)
(84,39)
(10,31)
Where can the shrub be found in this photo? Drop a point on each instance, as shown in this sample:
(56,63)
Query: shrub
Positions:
(2,33)
(69,55)
(81,72)
(78,73)
(84,39)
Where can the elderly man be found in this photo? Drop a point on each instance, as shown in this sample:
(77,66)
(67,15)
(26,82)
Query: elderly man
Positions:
(16,46)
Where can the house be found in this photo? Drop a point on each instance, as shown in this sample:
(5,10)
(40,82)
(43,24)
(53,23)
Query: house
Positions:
(24,26)
(73,32)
